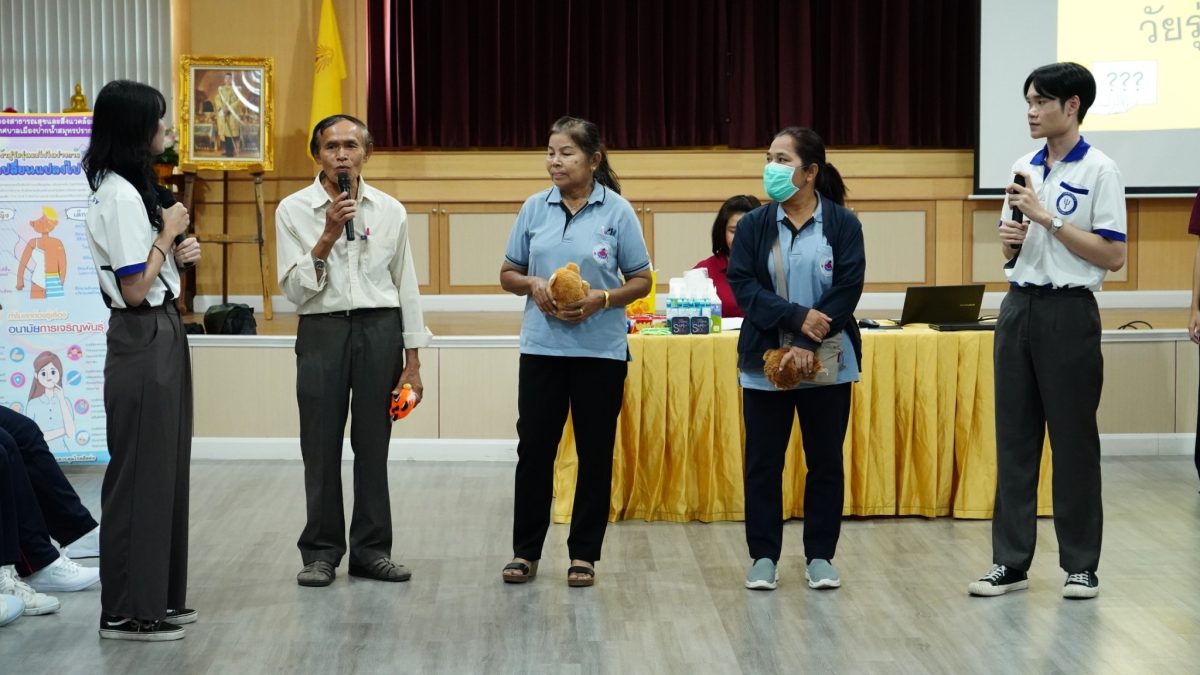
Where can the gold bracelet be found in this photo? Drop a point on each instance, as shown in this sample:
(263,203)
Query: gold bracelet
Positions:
(605,299)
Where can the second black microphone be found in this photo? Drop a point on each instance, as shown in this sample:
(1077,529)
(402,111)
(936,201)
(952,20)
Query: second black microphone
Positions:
(344,186)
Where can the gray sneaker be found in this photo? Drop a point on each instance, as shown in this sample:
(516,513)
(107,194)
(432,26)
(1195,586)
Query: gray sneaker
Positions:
(821,574)
(762,575)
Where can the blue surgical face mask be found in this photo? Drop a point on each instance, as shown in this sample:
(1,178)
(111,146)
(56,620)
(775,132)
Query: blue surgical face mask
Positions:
(777,179)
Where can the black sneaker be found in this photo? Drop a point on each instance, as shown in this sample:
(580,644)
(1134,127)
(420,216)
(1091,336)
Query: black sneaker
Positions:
(120,628)
(182,616)
(1081,586)
(998,581)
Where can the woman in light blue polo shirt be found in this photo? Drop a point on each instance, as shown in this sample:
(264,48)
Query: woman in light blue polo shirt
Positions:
(573,357)
(806,230)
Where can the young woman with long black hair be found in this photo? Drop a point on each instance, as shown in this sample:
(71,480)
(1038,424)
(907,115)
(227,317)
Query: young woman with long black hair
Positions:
(138,248)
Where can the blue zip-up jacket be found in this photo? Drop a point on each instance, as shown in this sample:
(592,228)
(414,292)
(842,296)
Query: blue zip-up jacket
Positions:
(766,313)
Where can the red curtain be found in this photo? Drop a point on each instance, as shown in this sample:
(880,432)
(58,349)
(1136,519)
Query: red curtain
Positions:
(672,73)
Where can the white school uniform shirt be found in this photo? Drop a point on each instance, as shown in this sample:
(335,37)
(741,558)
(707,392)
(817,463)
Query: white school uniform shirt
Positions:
(119,233)
(375,272)
(1084,189)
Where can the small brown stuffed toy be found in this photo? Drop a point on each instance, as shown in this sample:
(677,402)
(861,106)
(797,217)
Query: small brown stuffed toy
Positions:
(566,286)
(790,375)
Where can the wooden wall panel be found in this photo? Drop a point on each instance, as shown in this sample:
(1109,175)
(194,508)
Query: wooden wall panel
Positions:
(949,257)
(475,237)
(678,236)
(418,241)
(265,383)
(230,381)
(1140,397)
(985,259)
(1166,251)
(474,406)
(1187,377)
(898,247)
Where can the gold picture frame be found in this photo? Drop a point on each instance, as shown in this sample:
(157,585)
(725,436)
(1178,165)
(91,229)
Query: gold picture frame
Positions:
(226,112)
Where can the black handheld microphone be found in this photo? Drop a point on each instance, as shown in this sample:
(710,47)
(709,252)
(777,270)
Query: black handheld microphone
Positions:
(1016,213)
(344,186)
(166,199)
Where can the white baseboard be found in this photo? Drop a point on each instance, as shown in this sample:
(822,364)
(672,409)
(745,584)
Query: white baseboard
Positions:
(400,449)
(487,450)
(1133,445)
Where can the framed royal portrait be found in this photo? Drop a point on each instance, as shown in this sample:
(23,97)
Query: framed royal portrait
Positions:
(227,111)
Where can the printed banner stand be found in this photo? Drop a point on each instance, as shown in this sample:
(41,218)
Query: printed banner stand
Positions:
(52,317)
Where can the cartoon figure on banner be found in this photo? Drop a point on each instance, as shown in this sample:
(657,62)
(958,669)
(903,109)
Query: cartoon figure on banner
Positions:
(44,260)
(48,404)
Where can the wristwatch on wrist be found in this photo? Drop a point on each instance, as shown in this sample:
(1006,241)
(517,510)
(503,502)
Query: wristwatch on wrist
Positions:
(1056,224)
(318,264)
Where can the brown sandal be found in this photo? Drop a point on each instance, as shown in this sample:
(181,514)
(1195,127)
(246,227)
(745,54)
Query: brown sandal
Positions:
(526,571)
(588,576)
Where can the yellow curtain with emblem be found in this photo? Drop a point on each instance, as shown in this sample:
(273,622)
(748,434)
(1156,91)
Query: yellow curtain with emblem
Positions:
(329,68)
(921,439)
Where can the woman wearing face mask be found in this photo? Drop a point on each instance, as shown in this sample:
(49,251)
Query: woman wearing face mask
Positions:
(572,356)
(812,244)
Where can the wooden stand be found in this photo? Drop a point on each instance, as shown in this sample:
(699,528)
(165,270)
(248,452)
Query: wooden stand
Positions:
(225,239)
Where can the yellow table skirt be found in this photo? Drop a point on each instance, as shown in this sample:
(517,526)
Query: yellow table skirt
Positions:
(921,440)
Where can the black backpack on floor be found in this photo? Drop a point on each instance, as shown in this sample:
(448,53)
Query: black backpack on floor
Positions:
(233,318)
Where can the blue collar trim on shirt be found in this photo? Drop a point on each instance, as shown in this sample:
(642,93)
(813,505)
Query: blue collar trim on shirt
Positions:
(599,192)
(1077,153)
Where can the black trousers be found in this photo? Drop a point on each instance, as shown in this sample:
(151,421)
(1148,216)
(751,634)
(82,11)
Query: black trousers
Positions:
(144,496)
(1197,450)
(24,541)
(363,353)
(824,413)
(1049,373)
(66,517)
(592,389)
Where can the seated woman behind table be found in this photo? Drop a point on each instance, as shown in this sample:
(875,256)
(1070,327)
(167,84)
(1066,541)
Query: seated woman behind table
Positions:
(722,239)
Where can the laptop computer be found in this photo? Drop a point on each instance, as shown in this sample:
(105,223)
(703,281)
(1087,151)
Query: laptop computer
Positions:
(945,307)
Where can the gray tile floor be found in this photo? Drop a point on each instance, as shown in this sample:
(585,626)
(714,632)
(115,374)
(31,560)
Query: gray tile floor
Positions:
(668,597)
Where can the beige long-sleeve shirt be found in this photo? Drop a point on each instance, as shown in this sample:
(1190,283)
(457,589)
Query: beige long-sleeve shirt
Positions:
(373,272)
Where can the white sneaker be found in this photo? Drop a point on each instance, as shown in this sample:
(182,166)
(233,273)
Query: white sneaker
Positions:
(34,603)
(11,608)
(87,546)
(63,576)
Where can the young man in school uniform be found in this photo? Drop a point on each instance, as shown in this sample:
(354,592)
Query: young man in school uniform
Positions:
(360,328)
(1048,367)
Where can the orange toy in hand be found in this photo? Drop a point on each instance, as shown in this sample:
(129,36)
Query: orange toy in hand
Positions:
(403,402)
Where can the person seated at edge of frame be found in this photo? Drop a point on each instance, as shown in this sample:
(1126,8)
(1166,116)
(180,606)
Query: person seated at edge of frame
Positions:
(723,229)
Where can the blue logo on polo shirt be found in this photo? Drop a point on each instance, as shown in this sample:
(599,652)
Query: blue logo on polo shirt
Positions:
(1066,203)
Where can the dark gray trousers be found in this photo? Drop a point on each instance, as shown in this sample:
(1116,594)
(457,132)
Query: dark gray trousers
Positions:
(1049,373)
(337,354)
(144,496)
